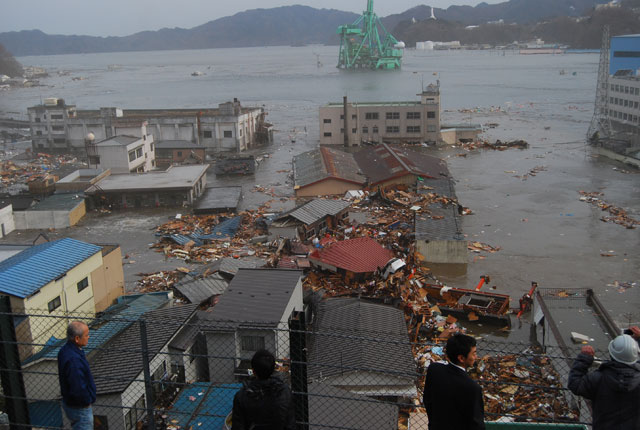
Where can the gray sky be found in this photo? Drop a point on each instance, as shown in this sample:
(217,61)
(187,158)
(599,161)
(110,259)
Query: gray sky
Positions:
(124,17)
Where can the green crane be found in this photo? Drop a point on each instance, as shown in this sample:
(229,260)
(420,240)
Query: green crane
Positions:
(366,44)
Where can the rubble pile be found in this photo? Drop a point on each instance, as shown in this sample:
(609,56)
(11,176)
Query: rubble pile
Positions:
(498,145)
(522,384)
(478,247)
(532,172)
(12,173)
(617,215)
(159,281)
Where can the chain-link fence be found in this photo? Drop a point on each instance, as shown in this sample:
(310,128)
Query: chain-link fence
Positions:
(178,367)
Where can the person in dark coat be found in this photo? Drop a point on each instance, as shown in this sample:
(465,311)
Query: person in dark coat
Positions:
(452,399)
(265,401)
(614,388)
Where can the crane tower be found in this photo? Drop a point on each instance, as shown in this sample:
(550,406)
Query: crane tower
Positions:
(366,44)
(600,126)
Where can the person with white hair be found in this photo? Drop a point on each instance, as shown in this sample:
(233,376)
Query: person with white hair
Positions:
(614,388)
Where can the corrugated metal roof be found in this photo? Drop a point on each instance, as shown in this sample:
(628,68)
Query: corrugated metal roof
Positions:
(359,255)
(322,163)
(441,186)
(388,350)
(26,272)
(120,361)
(256,295)
(218,199)
(232,265)
(315,210)
(199,290)
(211,406)
(447,228)
(384,162)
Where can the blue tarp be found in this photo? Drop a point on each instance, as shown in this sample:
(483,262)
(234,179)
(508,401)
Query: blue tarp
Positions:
(208,405)
(223,231)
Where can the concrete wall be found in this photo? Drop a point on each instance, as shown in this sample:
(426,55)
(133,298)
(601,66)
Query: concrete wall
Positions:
(443,251)
(327,187)
(221,346)
(33,219)
(108,280)
(7,222)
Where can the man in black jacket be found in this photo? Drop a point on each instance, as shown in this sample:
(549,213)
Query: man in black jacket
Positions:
(264,402)
(614,388)
(453,400)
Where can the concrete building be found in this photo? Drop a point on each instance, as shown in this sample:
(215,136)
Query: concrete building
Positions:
(228,128)
(123,153)
(177,186)
(80,180)
(55,211)
(391,122)
(170,152)
(7,223)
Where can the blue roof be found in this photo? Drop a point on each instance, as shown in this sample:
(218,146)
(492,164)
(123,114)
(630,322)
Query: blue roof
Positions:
(102,332)
(223,231)
(209,408)
(25,273)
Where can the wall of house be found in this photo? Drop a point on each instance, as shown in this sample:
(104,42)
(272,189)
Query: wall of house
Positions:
(409,179)
(41,380)
(290,232)
(219,346)
(327,187)
(7,223)
(282,334)
(443,251)
(108,280)
(110,407)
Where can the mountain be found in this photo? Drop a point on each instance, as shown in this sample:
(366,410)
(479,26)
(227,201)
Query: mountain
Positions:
(8,65)
(290,25)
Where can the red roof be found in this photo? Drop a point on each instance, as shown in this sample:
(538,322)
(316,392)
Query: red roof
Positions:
(359,255)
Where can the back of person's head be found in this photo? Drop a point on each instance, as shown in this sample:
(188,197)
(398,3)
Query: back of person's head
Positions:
(459,344)
(624,349)
(263,364)
(75,329)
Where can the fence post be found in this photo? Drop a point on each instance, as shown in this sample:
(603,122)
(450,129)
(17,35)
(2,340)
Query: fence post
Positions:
(148,384)
(15,395)
(297,342)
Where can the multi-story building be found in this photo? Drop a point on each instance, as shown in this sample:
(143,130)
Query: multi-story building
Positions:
(229,128)
(352,123)
(624,88)
(123,153)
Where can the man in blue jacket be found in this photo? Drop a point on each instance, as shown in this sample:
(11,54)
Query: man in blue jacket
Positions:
(76,382)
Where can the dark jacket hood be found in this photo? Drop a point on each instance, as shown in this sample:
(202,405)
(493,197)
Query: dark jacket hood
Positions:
(621,377)
(262,388)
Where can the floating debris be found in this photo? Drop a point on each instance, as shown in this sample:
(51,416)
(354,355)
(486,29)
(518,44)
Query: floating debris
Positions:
(617,215)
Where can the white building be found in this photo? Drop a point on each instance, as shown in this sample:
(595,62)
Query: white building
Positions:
(7,223)
(124,153)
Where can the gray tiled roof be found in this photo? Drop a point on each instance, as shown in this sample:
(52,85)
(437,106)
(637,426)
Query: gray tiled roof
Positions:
(315,210)
(186,335)
(218,198)
(446,228)
(119,362)
(342,333)
(441,186)
(256,295)
(313,166)
(232,265)
(199,290)
(331,407)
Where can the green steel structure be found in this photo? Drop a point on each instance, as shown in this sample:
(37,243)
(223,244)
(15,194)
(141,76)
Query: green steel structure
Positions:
(366,44)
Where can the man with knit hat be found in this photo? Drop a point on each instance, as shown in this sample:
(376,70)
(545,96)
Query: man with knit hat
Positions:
(614,388)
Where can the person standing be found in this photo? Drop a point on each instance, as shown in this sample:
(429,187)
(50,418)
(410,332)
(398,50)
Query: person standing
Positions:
(452,399)
(76,381)
(614,388)
(265,401)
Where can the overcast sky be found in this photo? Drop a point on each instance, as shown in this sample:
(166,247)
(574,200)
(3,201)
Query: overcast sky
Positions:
(124,17)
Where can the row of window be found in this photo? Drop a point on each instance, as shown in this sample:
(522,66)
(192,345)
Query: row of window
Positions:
(389,115)
(625,89)
(623,102)
(624,116)
(389,129)
(57,302)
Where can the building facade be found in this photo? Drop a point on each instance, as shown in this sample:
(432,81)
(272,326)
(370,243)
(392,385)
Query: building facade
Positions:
(228,128)
(352,123)
(123,153)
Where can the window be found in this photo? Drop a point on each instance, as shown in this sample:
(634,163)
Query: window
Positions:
(207,134)
(83,284)
(371,115)
(341,116)
(375,129)
(60,140)
(413,115)
(327,134)
(39,133)
(240,132)
(37,119)
(393,115)
(637,91)
(626,103)
(54,304)
(354,130)
(134,414)
(57,127)
(94,159)
(431,128)
(152,147)
(139,152)
(100,422)
(431,114)
(252,343)
(413,129)
(635,105)
(626,90)
(132,155)
(56,116)
(179,154)
(365,130)
(327,121)
(342,130)
(393,129)
(228,133)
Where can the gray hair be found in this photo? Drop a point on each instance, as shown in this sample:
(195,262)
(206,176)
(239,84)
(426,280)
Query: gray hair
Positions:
(75,328)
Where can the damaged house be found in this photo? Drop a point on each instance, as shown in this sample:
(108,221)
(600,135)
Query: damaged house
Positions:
(311,219)
(325,171)
(358,257)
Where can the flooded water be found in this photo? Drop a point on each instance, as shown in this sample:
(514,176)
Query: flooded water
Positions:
(545,233)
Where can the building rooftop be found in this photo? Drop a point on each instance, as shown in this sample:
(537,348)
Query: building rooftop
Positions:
(141,115)
(199,290)
(120,140)
(25,273)
(359,255)
(210,408)
(324,163)
(174,178)
(256,295)
(360,104)
(218,199)
(59,202)
(315,210)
